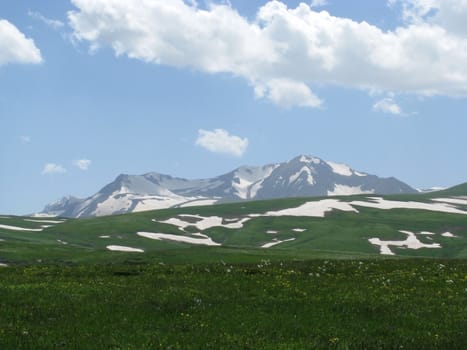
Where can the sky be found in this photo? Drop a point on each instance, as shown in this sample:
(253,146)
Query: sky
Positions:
(90,89)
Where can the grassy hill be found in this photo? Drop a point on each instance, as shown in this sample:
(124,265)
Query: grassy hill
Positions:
(241,231)
(328,288)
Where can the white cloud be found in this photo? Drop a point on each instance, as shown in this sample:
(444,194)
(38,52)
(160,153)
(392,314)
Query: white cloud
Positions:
(288,93)
(298,47)
(387,105)
(52,168)
(25,139)
(83,164)
(318,3)
(220,141)
(15,47)
(54,23)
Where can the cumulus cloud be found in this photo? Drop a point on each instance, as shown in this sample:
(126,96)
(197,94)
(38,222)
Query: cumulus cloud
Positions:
(82,164)
(285,52)
(52,168)
(220,141)
(15,47)
(25,139)
(53,23)
(387,105)
(288,93)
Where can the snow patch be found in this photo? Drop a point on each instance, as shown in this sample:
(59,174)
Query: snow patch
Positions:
(3,265)
(454,200)
(313,209)
(272,232)
(198,202)
(308,159)
(62,242)
(184,239)
(298,229)
(44,215)
(120,248)
(340,169)
(381,203)
(104,236)
(276,242)
(305,170)
(204,223)
(16,228)
(344,190)
(448,234)
(411,242)
(46,221)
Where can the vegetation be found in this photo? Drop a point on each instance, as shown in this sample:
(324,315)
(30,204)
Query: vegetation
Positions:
(327,289)
(320,304)
(339,234)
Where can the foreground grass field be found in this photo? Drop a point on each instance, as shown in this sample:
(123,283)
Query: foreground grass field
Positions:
(321,304)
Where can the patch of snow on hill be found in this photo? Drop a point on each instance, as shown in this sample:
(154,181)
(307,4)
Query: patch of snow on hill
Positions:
(340,169)
(305,170)
(309,160)
(314,209)
(411,242)
(343,190)
(120,248)
(381,203)
(183,239)
(198,202)
(16,228)
(204,223)
(448,234)
(453,200)
(276,242)
(46,221)
(154,203)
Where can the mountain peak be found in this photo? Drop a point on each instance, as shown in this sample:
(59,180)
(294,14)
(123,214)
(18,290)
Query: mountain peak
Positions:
(304,175)
(306,158)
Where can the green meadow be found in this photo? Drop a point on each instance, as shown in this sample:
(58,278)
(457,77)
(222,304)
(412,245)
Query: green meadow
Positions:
(329,288)
(318,304)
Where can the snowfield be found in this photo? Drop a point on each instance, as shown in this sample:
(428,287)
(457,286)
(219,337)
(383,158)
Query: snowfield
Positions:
(46,221)
(343,190)
(276,242)
(411,242)
(381,203)
(454,200)
(203,240)
(120,248)
(203,223)
(313,209)
(16,228)
(340,169)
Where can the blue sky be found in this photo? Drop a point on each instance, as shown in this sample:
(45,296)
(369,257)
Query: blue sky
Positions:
(195,90)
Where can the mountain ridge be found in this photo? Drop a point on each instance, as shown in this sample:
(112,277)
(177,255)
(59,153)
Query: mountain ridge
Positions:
(301,176)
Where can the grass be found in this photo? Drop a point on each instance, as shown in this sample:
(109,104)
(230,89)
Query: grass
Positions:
(339,233)
(319,304)
(327,289)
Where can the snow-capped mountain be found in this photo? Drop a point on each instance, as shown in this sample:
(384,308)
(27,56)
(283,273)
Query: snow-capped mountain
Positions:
(301,176)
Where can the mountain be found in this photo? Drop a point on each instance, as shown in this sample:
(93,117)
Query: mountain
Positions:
(302,176)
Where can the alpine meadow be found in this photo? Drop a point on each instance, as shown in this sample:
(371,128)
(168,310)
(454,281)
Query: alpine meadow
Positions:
(264,174)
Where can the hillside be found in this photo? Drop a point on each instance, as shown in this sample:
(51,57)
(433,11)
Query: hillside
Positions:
(349,226)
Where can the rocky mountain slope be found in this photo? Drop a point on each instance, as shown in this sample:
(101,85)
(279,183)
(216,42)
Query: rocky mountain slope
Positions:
(302,176)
